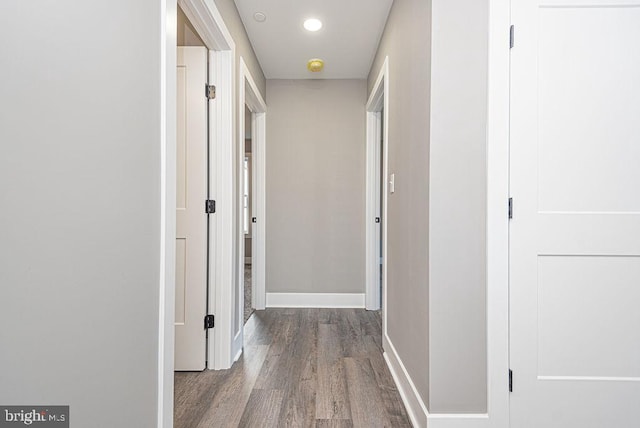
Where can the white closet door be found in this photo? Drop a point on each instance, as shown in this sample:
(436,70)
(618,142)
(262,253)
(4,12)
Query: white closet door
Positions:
(191,193)
(575,232)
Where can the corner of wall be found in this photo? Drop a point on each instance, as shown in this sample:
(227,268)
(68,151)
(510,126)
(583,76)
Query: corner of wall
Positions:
(415,406)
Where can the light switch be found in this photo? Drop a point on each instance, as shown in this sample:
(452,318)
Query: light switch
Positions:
(392,183)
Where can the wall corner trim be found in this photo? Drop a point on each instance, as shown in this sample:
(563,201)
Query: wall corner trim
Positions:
(416,408)
(315,300)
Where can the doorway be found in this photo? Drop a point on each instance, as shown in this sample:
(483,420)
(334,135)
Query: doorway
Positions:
(377,189)
(247,216)
(251,160)
(223,292)
(206,34)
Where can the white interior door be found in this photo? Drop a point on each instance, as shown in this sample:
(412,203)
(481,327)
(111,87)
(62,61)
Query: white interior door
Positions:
(191,193)
(575,232)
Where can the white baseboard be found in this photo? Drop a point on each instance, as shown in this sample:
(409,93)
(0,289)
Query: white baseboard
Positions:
(458,420)
(315,300)
(416,408)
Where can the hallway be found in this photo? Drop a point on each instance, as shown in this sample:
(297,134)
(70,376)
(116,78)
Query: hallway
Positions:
(300,368)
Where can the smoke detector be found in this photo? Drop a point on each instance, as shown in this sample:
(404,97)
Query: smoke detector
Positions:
(315,65)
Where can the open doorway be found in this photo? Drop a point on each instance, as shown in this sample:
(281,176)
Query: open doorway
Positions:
(204,182)
(378,188)
(248,217)
(251,204)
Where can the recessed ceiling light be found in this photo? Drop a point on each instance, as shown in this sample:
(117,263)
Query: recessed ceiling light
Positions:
(312,24)
(259,16)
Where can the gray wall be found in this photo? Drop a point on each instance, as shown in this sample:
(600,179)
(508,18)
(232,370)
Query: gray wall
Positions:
(458,357)
(80,197)
(315,186)
(406,40)
(187,35)
(231,17)
(436,243)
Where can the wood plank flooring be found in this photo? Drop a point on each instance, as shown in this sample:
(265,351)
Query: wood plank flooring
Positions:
(300,368)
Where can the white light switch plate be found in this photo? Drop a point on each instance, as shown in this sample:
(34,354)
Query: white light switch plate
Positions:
(392,183)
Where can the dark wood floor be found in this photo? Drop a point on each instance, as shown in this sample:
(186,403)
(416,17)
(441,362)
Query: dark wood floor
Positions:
(300,368)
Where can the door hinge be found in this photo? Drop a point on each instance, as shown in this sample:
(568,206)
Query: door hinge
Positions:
(510,208)
(512,31)
(210,91)
(209,206)
(510,380)
(208,322)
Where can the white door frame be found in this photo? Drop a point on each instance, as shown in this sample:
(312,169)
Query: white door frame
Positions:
(377,120)
(208,22)
(168,159)
(249,95)
(497,214)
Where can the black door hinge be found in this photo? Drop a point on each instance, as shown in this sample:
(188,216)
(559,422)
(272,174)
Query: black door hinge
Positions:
(208,322)
(512,34)
(510,380)
(209,206)
(210,92)
(510,208)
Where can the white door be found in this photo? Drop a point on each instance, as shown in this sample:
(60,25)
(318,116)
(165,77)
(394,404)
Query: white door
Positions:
(575,232)
(191,193)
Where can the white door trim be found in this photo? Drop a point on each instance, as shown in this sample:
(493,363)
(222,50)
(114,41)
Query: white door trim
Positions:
(378,102)
(221,224)
(168,156)
(497,215)
(249,94)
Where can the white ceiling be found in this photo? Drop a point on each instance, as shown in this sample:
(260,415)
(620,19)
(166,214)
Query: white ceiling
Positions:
(347,41)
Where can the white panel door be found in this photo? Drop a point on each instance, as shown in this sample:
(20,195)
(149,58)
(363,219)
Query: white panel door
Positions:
(575,232)
(191,193)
